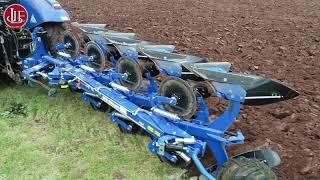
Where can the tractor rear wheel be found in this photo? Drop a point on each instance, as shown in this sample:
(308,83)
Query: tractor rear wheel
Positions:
(55,35)
(242,168)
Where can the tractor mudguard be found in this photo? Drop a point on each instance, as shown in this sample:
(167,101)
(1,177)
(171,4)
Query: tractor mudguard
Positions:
(43,11)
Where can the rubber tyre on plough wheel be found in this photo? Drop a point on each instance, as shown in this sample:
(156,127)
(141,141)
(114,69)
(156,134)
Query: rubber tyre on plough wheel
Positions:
(243,168)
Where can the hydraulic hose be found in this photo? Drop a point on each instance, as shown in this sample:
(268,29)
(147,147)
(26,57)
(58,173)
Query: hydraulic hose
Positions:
(202,169)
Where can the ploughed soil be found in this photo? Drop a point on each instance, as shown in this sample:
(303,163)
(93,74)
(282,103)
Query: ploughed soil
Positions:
(277,39)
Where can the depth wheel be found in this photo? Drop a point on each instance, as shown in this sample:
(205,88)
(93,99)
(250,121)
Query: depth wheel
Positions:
(133,70)
(186,99)
(243,168)
(94,51)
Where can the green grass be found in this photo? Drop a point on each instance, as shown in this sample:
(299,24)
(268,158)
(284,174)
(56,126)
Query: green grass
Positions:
(63,138)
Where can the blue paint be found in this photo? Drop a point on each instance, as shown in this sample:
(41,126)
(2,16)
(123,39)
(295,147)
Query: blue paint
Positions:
(43,11)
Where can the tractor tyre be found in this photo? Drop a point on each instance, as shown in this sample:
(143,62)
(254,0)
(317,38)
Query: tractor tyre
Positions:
(55,36)
(242,168)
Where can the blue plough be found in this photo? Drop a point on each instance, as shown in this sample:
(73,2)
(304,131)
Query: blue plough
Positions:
(174,138)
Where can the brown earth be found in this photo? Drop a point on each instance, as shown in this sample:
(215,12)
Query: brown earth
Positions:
(278,39)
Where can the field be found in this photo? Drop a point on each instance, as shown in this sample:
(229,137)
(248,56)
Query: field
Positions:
(63,138)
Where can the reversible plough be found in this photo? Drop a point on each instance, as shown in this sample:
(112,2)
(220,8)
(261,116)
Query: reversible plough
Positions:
(153,89)
(173,113)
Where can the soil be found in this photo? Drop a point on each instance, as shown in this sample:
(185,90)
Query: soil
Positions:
(275,39)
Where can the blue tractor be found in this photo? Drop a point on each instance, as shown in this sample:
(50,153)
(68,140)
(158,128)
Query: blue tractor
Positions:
(16,44)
